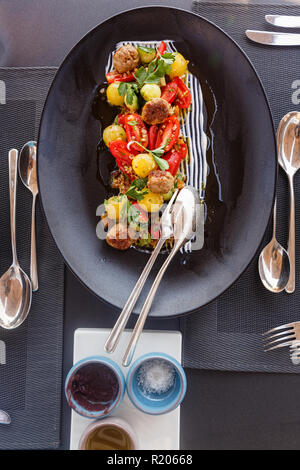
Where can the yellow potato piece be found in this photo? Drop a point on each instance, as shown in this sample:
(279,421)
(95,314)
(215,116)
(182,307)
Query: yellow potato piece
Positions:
(113,96)
(112,133)
(143,164)
(178,67)
(116,207)
(151,202)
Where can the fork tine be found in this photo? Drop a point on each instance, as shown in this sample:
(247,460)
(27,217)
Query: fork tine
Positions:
(284,332)
(281,345)
(289,337)
(277,328)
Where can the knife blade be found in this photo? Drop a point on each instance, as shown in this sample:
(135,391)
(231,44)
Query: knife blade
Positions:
(284,21)
(273,39)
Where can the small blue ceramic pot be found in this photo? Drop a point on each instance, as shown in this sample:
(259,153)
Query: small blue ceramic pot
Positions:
(156,403)
(113,406)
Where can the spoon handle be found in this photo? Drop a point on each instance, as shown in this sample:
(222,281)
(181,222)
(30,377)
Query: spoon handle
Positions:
(117,330)
(33,260)
(291,243)
(12,163)
(127,358)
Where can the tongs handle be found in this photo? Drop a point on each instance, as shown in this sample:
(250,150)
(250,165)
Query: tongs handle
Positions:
(114,336)
(145,310)
(113,339)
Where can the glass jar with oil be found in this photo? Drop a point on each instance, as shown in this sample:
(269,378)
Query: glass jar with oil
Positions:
(108,434)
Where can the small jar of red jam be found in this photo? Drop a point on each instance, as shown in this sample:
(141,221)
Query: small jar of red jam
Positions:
(95,387)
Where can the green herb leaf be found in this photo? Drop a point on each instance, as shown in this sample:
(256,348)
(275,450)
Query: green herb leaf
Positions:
(122,88)
(132,123)
(135,194)
(148,50)
(158,152)
(140,76)
(133,214)
(161,163)
(139,183)
(130,95)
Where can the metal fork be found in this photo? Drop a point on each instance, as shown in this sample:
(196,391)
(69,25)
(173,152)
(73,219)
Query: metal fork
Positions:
(295,352)
(282,336)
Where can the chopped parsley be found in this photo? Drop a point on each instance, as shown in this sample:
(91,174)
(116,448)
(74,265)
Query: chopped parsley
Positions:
(137,189)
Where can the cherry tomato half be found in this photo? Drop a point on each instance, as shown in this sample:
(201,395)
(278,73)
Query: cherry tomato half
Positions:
(169,91)
(136,130)
(174,157)
(114,76)
(152,136)
(123,157)
(183,99)
(121,119)
(168,133)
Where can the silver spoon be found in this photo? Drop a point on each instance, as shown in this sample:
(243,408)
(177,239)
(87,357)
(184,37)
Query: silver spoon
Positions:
(288,143)
(274,263)
(188,220)
(15,285)
(28,175)
(4,417)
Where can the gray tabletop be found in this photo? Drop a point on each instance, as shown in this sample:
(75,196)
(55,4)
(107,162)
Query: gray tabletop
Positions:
(222,410)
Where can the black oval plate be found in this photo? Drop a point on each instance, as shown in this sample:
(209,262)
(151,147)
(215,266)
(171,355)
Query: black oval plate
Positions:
(244,149)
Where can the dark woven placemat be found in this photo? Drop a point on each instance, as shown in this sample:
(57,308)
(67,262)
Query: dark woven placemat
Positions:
(226,334)
(31,355)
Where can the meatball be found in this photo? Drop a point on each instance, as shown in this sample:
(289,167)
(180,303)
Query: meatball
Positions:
(126,58)
(118,237)
(156,111)
(160,182)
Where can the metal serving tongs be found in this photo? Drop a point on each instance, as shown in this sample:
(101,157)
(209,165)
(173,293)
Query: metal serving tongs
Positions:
(166,229)
(188,220)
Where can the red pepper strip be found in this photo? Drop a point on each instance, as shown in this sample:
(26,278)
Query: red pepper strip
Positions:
(162,48)
(183,99)
(152,136)
(123,157)
(174,157)
(114,76)
(168,133)
(136,130)
(169,91)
